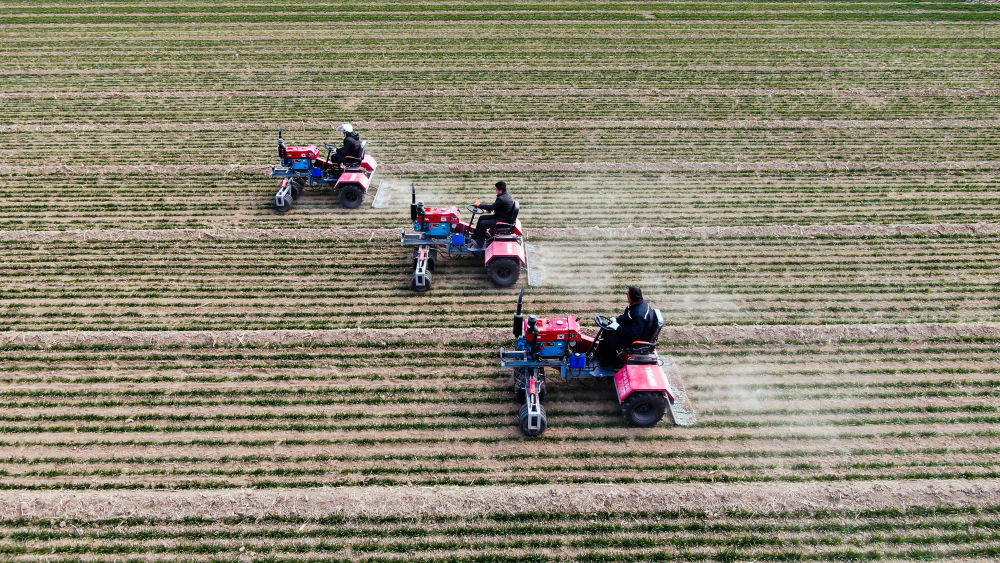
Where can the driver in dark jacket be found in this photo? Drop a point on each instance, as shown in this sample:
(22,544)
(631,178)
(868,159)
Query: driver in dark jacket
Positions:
(503,211)
(638,322)
(350,152)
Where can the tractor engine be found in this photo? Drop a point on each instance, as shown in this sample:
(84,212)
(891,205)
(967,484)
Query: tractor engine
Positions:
(551,337)
(437,222)
(300,158)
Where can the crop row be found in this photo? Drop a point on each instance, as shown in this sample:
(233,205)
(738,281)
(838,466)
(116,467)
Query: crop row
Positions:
(392,117)
(248,79)
(93,200)
(537,54)
(564,146)
(289,283)
(396,14)
(205,416)
(386,17)
(786,359)
(913,533)
(941,34)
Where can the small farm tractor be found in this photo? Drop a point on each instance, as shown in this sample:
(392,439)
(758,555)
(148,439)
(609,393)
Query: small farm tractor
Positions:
(440,231)
(303,166)
(646,384)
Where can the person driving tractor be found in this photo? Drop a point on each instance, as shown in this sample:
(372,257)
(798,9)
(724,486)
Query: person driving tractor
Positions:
(350,152)
(638,322)
(502,209)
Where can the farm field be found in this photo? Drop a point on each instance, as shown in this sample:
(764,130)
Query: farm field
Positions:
(809,190)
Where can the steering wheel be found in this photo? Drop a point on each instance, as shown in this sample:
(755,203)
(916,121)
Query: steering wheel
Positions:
(603,321)
(474,210)
(328,147)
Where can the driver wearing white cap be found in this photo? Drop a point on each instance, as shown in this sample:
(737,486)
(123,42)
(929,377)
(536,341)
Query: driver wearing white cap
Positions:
(350,152)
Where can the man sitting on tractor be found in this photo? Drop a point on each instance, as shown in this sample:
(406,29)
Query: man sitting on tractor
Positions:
(350,152)
(503,212)
(638,322)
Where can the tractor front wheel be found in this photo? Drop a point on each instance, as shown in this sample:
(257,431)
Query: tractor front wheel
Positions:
(504,271)
(423,286)
(522,418)
(644,408)
(283,204)
(351,196)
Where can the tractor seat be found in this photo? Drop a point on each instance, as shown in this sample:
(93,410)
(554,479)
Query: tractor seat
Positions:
(354,161)
(642,359)
(641,347)
(647,346)
(502,228)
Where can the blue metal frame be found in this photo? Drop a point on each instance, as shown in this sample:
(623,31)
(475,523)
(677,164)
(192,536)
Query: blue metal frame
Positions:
(306,175)
(440,243)
(519,359)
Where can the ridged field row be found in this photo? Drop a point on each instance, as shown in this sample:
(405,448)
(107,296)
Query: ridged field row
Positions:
(145,199)
(362,282)
(424,413)
(538,142)
(399,13)
(89,201)
(654,533)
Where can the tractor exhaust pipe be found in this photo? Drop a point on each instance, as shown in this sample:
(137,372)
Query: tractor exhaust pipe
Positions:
(281,145)
(416,207)
(518,319)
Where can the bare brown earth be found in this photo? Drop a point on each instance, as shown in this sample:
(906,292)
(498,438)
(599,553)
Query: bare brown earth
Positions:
(854,92)
(529,124)
(472,501)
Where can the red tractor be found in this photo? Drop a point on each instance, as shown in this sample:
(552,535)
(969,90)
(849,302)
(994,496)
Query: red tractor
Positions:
(440,231)
(303,166)
(646,384)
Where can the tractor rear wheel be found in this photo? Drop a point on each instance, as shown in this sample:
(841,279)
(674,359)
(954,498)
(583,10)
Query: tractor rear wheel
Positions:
(522,419)
(644,408)
(297,187)
(351,196)
(504,271)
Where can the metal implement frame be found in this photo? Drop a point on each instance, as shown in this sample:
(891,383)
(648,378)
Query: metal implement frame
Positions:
(421,239)
(420,270)
(517,359)
(308,177)
(533,401)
